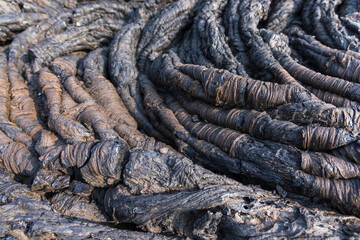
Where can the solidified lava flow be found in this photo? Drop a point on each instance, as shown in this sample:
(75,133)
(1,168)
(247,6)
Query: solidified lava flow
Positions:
(164,119)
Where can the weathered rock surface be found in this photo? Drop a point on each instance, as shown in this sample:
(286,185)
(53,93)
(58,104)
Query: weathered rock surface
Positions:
(229,119)
(25,214)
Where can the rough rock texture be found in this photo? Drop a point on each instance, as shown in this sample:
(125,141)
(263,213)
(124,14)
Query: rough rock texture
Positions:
(191,119)
(25,214)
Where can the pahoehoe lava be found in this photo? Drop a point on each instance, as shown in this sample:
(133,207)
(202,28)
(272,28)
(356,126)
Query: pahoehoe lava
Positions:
(161,119)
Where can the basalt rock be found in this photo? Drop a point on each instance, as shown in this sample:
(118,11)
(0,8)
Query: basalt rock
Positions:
(170,119)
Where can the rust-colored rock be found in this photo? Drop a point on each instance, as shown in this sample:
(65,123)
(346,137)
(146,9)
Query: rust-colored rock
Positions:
(158,116)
